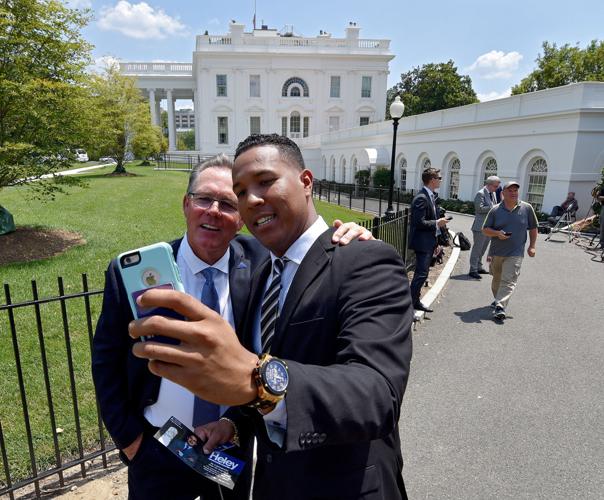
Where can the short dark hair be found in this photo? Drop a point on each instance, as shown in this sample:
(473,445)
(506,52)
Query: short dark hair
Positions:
(218,161)
(287,148)
(429,174)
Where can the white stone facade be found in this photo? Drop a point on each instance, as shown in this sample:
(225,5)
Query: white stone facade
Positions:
(551,142)
(265,81)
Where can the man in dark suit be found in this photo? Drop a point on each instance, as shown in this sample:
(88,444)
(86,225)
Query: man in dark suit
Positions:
(324,404)
(424,228)
(134,402)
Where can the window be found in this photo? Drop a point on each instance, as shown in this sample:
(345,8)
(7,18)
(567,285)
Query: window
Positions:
(221,85)
(294,125)
(223,130)
(334,88)
(403,178)
(299,83)
(454,168)
(333,169)
(536,183)
(490,168)
(426,164)
(254,85)
(364,121)
(294,92)
(284,126)
(305,126)
(366,86)
(334,123)
(254,124)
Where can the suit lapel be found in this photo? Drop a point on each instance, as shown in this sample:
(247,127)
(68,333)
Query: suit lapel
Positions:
(239,282)
(311,266)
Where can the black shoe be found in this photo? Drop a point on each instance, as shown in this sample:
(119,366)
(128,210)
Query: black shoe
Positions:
(499,313)
(421,307)
(475,275)
(493,304)
(483,271)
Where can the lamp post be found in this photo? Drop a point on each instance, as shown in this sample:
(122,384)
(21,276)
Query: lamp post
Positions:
(397,108)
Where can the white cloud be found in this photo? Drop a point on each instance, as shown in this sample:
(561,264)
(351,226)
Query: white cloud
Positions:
(491,96)
(496,64)
(103,62)
(140,20)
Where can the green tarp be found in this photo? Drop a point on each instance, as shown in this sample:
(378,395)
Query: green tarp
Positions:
(7,223)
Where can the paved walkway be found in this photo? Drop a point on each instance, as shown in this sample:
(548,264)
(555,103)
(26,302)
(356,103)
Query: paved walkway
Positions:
(513,410)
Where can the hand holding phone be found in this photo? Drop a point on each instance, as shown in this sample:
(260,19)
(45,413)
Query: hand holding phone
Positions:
(449,217)
(149,267)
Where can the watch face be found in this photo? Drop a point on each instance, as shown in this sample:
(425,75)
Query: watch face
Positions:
(276,376)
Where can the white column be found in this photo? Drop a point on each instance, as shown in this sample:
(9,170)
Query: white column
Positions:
(171,124)
(197,121)
(158,112)
(152,106)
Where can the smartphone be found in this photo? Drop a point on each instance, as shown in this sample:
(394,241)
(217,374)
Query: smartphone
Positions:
(149,267)
(449,217)
(507,233)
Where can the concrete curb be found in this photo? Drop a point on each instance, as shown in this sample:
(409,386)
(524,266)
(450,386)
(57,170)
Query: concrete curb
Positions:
(440,283)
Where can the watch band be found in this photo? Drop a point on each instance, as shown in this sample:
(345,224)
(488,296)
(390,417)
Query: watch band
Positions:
(265,400)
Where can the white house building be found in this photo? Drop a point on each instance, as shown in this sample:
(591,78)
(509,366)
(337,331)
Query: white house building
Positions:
(551,142)
(184,119)
(266,81)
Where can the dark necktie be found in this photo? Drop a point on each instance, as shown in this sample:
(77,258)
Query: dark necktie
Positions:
(269,311)
(204,411)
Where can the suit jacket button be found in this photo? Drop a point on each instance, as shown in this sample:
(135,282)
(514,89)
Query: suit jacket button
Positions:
(322,437)
(269,458)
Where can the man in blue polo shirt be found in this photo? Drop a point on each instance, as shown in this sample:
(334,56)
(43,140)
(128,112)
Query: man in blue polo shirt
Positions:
(507,224)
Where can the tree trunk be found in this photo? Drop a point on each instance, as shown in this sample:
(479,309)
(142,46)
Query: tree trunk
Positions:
(119,168)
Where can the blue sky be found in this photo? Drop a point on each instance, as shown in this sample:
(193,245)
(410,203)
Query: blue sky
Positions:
(495,42)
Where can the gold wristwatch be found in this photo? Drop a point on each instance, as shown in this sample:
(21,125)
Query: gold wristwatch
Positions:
(271,378)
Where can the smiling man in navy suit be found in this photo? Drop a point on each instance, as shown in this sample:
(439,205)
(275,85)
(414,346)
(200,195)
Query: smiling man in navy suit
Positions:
(320,369)
(133,401)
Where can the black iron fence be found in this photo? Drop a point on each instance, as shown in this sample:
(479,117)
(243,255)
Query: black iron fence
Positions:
(363,198)
(52,423)
(183,161)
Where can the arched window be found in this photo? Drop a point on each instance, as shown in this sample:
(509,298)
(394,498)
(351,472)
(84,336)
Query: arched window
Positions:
(403,176)
(490,168)
(294,83)
(537,179)
(324,168)
(454,168)
(426,164)
(333,169)
(343,178)
(294,124)
(354,168)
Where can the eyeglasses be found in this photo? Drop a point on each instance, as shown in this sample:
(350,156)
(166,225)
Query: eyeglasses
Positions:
(204,201)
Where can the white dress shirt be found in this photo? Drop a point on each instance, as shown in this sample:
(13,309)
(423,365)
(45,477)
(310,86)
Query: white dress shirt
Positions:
(294,254)
(173,399)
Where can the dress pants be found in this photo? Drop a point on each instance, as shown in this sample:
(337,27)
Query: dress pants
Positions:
(420,275)
(479,247)
(156,473)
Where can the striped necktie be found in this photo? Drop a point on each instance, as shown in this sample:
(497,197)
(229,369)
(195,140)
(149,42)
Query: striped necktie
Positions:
(204,411)
(269,311)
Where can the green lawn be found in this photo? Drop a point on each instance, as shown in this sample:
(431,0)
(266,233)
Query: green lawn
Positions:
(113,214)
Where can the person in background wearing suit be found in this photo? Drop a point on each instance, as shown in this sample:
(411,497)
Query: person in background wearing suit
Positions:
(484,200)
(320,370)
(424,228)
(213,262)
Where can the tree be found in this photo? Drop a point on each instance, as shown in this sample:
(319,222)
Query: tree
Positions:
(563,65)
(42,92)
(186,140)
(381,177)
(432,87)
(120,118)
(147,143)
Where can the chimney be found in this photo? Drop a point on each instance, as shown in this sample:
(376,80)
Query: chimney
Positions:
(352,32)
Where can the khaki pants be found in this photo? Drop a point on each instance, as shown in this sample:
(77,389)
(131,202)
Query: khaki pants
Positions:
(505,271)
